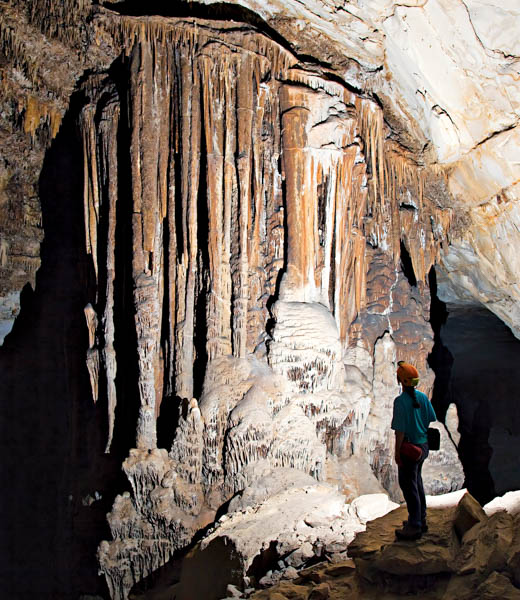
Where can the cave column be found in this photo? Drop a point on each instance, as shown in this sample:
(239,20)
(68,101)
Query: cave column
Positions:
(298,284)
(146,113)
(244,165)
(299,244)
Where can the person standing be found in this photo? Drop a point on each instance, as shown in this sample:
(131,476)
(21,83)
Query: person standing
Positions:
(413,412)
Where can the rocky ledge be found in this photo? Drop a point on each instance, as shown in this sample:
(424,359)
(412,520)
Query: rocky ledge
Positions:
(468,553)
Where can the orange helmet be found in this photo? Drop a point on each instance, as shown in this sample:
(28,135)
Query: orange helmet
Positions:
(407,374)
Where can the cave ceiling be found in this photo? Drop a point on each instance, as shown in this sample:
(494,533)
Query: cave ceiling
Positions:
(445,72)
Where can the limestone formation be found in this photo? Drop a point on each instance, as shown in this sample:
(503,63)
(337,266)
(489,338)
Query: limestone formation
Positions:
(38,74)
(316,523)
(263,203)
(413,55)
(436,567)
(92,352)
(452,423)
(265,232)
(442,471)
(509,502)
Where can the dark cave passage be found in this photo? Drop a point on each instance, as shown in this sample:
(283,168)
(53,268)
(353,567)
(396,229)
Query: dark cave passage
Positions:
(53,435)
(475,359)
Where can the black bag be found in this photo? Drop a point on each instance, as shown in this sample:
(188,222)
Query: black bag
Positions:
(434,439)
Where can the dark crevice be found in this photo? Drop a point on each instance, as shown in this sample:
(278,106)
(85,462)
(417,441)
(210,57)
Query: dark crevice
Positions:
(201,326)
(407,207)
(264,561)
(475,358)
(407,266)
(271,321)
(167,421)
(52,433)
(125,342)
(440,358)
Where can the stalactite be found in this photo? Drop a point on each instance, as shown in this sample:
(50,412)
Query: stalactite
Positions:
(372,132)
(92,352)
(62,19)
(101,178)
(108,132)
(244,165)
(90,183)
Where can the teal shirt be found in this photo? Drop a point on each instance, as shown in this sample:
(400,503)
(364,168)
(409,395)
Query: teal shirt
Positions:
(413,422)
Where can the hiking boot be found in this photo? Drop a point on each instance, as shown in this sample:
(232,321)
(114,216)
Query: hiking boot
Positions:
(424,526)
(408,533)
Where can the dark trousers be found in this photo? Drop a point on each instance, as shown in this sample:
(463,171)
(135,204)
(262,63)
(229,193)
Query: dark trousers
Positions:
(411,483)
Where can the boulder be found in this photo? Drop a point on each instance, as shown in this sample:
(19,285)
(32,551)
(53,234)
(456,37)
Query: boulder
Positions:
(486,545)
(442,470)
(509,502)
(468,513)
(498,586)
(320,592)
(403,566)
(286,530)
(371,506)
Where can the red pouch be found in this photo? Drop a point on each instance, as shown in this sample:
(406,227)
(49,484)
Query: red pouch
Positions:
(411,451)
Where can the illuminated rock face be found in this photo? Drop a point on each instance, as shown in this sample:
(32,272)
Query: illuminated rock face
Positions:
(264,215)
(261,238)
(444,72)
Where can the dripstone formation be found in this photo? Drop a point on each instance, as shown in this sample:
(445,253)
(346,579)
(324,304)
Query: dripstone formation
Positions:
(253,213)
(259,243)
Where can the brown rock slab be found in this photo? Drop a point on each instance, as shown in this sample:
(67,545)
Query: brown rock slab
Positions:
(337,582)
(276,596)
(404,566)
(498,587)
(468,513)
(513,562)
(461,588)
(320,592)
(283,591)
(341,569)
(486,545)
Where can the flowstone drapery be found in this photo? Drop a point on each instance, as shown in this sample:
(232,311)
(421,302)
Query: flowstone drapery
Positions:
(264,213)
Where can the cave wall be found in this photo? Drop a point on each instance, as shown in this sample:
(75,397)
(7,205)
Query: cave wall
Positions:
(253,213)
(256,239)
